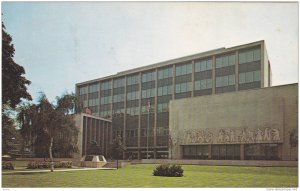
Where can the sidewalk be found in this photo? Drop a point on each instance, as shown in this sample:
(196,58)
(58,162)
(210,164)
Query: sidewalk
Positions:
(55,170)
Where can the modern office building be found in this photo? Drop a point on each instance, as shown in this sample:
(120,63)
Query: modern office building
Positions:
(124,97)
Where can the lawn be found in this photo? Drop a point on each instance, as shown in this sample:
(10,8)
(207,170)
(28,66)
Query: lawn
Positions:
(141,176)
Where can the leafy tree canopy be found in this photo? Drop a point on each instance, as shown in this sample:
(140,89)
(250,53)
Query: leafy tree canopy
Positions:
(14,84)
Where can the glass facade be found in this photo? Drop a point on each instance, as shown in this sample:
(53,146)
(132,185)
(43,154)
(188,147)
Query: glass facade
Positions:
(249,68)
(124,98)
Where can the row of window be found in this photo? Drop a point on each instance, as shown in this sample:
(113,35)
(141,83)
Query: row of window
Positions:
(203,84)
(133,110)
(225,81)
(224,61)
(119,82)
(203,65)
(133,79)
(93,102)
(134,132)
(150,76)
(249,56)
(221,81)
(165,73)
(94,88)
(105,100)
(133,95)
(249,77)
(183,69)
(165,90)
(183,87)
(162,107)
(149,93)
(106,85)
(118,98)
(83,90)
(232,152)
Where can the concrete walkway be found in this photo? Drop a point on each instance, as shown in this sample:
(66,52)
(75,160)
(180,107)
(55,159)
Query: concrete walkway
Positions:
(55,170)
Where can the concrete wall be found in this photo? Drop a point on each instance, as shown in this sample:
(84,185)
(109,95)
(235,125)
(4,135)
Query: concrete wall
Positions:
(265,115)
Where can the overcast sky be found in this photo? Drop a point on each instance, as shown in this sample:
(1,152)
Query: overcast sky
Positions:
(63,43)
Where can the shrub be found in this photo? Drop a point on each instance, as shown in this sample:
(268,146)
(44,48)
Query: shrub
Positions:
(7,166)
(168,170)
(47,164)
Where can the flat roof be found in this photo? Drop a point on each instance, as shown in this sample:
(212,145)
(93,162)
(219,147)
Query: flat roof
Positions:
(174,61)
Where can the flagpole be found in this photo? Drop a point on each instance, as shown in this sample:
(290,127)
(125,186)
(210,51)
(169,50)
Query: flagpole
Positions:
(148,125)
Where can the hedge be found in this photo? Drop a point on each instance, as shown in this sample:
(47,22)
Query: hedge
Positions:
(7,166)
(47,164)
(168,170)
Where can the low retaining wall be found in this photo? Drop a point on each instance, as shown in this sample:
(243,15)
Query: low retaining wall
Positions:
(220,162)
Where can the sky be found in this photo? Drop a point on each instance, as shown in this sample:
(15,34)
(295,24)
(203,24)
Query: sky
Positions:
(63,43)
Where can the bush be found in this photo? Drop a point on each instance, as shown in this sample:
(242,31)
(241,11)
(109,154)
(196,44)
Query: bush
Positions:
(7,166)
(47,164)
(168,170)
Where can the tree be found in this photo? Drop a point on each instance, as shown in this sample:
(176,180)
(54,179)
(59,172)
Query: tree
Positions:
(51,127)
(13,82)
(117,148)
(14,87)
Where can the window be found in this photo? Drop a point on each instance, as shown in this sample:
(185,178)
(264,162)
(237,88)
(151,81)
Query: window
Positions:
(261,152)
(195,152)
(163,107)
(249,77)
(94,88)
(226,152)
(82,90)
(133,95)
(106,100)
(106,85)
(183,69)
(118,98)
(225,81)
(183,87)
(119,82)
(132,110)
(165,73)
(150,76)
(144,109)
(165,90)
(149,93)
(93,102)
(203,65)
(203,84)
(224,61)
(249,56)
(133,79)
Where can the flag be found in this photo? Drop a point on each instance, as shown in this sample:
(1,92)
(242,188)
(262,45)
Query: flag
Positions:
(149,105)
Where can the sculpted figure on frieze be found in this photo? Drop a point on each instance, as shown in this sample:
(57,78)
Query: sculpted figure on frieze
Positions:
(231,135)
(259,135)
(275,135)
(267,135)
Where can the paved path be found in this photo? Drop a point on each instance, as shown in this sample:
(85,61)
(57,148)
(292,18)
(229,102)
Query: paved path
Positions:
(55,170)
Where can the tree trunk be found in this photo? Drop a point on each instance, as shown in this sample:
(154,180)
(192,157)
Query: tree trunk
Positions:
(50,154)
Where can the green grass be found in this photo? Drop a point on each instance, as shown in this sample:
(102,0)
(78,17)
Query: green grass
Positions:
(141,176)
